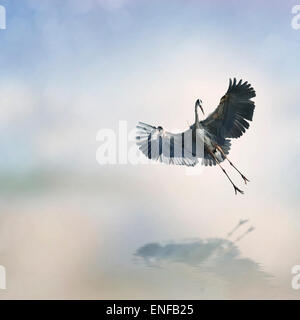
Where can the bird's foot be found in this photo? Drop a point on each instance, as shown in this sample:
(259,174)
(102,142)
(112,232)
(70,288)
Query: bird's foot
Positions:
(245,179)
(236,189)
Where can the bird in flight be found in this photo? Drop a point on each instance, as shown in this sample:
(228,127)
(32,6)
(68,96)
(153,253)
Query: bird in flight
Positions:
(209,139)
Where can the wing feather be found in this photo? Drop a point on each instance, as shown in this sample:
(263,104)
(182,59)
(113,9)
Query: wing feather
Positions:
(166,147)
(230,119)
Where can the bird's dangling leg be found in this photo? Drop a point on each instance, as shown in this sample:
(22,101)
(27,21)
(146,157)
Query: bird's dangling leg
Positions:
(224,155)
(218,162)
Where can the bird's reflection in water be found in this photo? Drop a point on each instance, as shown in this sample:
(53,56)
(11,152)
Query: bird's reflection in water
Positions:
(215,258)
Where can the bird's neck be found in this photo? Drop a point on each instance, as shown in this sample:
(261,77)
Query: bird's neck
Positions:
(197,119)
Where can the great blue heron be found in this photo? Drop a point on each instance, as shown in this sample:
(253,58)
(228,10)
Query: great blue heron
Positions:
(228,121)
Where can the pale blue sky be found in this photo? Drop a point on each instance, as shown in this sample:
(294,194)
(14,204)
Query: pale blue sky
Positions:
(99,44)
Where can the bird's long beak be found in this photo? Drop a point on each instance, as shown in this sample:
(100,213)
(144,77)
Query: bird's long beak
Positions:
(199,105)
(201,109)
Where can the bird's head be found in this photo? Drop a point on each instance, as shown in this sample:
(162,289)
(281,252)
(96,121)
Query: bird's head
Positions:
(198,103)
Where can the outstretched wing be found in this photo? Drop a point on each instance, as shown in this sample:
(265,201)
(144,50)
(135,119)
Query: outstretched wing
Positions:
(167,147)
(229,120)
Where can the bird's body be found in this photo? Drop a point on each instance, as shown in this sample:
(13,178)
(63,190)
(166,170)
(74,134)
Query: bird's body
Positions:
(208,139)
